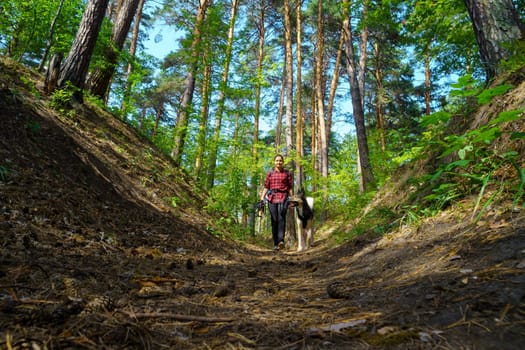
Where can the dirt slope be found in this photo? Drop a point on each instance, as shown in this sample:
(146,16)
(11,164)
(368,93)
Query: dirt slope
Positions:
(93,256)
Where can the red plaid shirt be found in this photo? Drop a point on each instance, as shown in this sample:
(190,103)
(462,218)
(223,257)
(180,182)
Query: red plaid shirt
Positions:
(280,183)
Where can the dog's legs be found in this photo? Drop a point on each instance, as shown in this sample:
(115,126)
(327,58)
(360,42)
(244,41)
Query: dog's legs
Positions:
(300,233)
(309,230)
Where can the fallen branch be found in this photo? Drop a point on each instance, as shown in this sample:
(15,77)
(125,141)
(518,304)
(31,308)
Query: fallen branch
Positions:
(178,317)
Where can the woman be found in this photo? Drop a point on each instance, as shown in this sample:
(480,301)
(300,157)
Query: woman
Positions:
(277,188)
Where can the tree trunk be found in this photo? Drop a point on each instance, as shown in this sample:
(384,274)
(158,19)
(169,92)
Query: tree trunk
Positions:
(496,25)
(315,138)
(367,176)
(100,79)
(299,128)
(203,123)
(323,149)
(53,70)
(222,96)
(323,133)
(380,118)
(132,53)
(76,65)
(428,85)
(279,127)
(289,77)
(333,84)
(363,51)
(158,114)
(187,98)
(254,190)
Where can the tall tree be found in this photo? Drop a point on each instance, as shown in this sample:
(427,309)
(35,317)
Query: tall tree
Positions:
(367,176)
(132,53)
(289,76)
(255,180)
(319,97)
(496,26)
(299,127)
(100,79)
(183,114)
(76,65)
(280,110)
(334,83)
(203,119)
(222,96)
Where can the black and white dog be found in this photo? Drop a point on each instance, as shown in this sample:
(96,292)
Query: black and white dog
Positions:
(304,218)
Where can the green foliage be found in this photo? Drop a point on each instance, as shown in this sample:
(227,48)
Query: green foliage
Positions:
(516,61)
(96,101)
(29,83)
(486,95)
(466,86)
(374,223)
(471,161)
(435,120)
(61,98)
(441,31)
(473,171)
(25,27)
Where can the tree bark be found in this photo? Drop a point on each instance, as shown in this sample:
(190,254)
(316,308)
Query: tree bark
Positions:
(279,127)
(255,180)
(203,123)
(380,118)
(315,138)
(53,70)
(333,84)
(132,53)
(222,96)
(289,77)
(299,127)
(428,85)
(187,98)
(100,79)
(76,65)
(496,25)
(323,149)
(367,176)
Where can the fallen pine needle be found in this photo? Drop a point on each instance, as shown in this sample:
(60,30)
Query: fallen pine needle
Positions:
(241,338)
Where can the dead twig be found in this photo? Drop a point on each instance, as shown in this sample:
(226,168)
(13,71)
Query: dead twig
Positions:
(179,317)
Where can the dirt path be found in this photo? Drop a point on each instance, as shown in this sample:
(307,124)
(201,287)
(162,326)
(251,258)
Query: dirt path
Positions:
(403,291)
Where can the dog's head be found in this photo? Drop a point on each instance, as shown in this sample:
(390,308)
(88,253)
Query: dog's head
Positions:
(301,193)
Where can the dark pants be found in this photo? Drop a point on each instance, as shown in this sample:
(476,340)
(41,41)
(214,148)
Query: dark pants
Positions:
(278,215)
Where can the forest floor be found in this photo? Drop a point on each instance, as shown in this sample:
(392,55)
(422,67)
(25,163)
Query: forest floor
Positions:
(95,255)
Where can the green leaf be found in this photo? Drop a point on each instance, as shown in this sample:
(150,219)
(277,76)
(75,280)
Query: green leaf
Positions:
(488,94)
(487,136)
(507,116)
(458,163)
(435,118)
(466,86)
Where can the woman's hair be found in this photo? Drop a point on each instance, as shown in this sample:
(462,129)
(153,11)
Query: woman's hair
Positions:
(278,155)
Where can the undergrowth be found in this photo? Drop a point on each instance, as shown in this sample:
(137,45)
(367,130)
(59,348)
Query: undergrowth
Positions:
(469,164)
